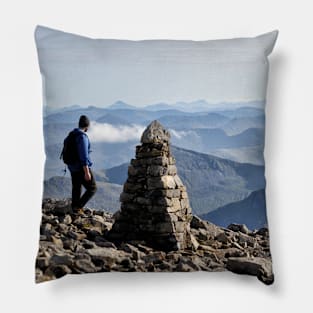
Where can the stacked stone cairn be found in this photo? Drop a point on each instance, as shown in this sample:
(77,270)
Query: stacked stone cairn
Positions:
(154,201)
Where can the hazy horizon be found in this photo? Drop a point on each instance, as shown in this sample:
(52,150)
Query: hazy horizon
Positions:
(253,103)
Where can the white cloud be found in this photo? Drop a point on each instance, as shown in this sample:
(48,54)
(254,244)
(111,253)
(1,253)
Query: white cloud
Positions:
(103,132)
(181,133)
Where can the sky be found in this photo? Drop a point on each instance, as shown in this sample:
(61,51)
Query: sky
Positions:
(78,70)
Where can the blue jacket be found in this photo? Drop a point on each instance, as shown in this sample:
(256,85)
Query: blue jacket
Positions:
(83,145)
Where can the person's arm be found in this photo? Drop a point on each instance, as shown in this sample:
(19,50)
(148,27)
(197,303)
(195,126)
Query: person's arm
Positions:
(87,172)
(83,155)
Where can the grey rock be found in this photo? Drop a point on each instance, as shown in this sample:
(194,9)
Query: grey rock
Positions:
(197,222)
(63,228)
(84,246)
(154,257)
(222,238)
(106,244)
(186,265)
(107,255)
(85,266)
(87,244)
(63,208)
(260,267)
(263,231)
(77,235)
(64,259)
(70,244)
(239,227)
(42,262)
(246,240)
(155,132)
(203,235)
(194,242)
(57,271)
(67,219)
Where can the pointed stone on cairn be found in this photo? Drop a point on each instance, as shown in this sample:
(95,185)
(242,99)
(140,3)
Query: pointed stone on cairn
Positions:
(154,202)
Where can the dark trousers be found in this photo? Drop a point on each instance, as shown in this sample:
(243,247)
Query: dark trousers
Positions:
(78,180)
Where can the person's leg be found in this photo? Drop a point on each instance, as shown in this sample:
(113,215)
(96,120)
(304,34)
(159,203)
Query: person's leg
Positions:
(76,189)
(91,188)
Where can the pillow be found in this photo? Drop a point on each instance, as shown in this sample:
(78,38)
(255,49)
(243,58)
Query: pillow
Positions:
(154,155)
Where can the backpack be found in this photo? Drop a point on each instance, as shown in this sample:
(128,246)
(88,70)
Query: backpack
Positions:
(69,152)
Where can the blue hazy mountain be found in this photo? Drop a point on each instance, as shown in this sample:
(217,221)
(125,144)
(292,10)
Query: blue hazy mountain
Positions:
(212,147)
(204,106)
(230,106)
(138,116)
(121,105)
(250,211)
(112,119)
(55,133)
(239,124)
(72,115)
(236,109)
(143,117)
(194,106)
(159,106)
(51,110)
(207,120)
(204,139)
(196,109)
(244,147)
(243,111)
(235,133)
(211,181)
(230,124)
(106,197)
(250,154)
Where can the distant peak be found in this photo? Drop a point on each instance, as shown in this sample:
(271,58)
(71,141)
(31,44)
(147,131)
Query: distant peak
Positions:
(121,105)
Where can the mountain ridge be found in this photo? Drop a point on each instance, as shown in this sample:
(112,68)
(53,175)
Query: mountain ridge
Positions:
(250,211)
(199,171)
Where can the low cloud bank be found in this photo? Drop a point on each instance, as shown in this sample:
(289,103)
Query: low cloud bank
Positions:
(179,134)
(103,132)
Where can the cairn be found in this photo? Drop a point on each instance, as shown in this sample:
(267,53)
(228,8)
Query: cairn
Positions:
(154,201)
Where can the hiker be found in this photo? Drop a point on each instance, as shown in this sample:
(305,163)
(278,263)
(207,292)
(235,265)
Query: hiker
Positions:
(81,172)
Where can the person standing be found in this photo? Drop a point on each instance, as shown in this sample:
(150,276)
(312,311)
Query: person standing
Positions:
(80,170)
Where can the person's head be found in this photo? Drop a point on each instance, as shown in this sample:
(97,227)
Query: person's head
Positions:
(83,122)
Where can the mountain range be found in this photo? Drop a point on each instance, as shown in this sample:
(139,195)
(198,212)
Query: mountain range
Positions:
(235,133)
(192,106)
(211,182)
(250,211)
(218,152)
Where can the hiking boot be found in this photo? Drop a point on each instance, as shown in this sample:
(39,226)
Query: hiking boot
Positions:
(78,211)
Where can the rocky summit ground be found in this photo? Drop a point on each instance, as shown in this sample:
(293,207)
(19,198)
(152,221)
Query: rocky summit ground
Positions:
(74,244)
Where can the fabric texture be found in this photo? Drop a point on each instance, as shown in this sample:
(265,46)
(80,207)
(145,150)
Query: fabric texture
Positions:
(176,179)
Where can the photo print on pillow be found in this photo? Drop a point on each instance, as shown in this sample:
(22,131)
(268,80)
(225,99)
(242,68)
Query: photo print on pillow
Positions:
(154,155)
